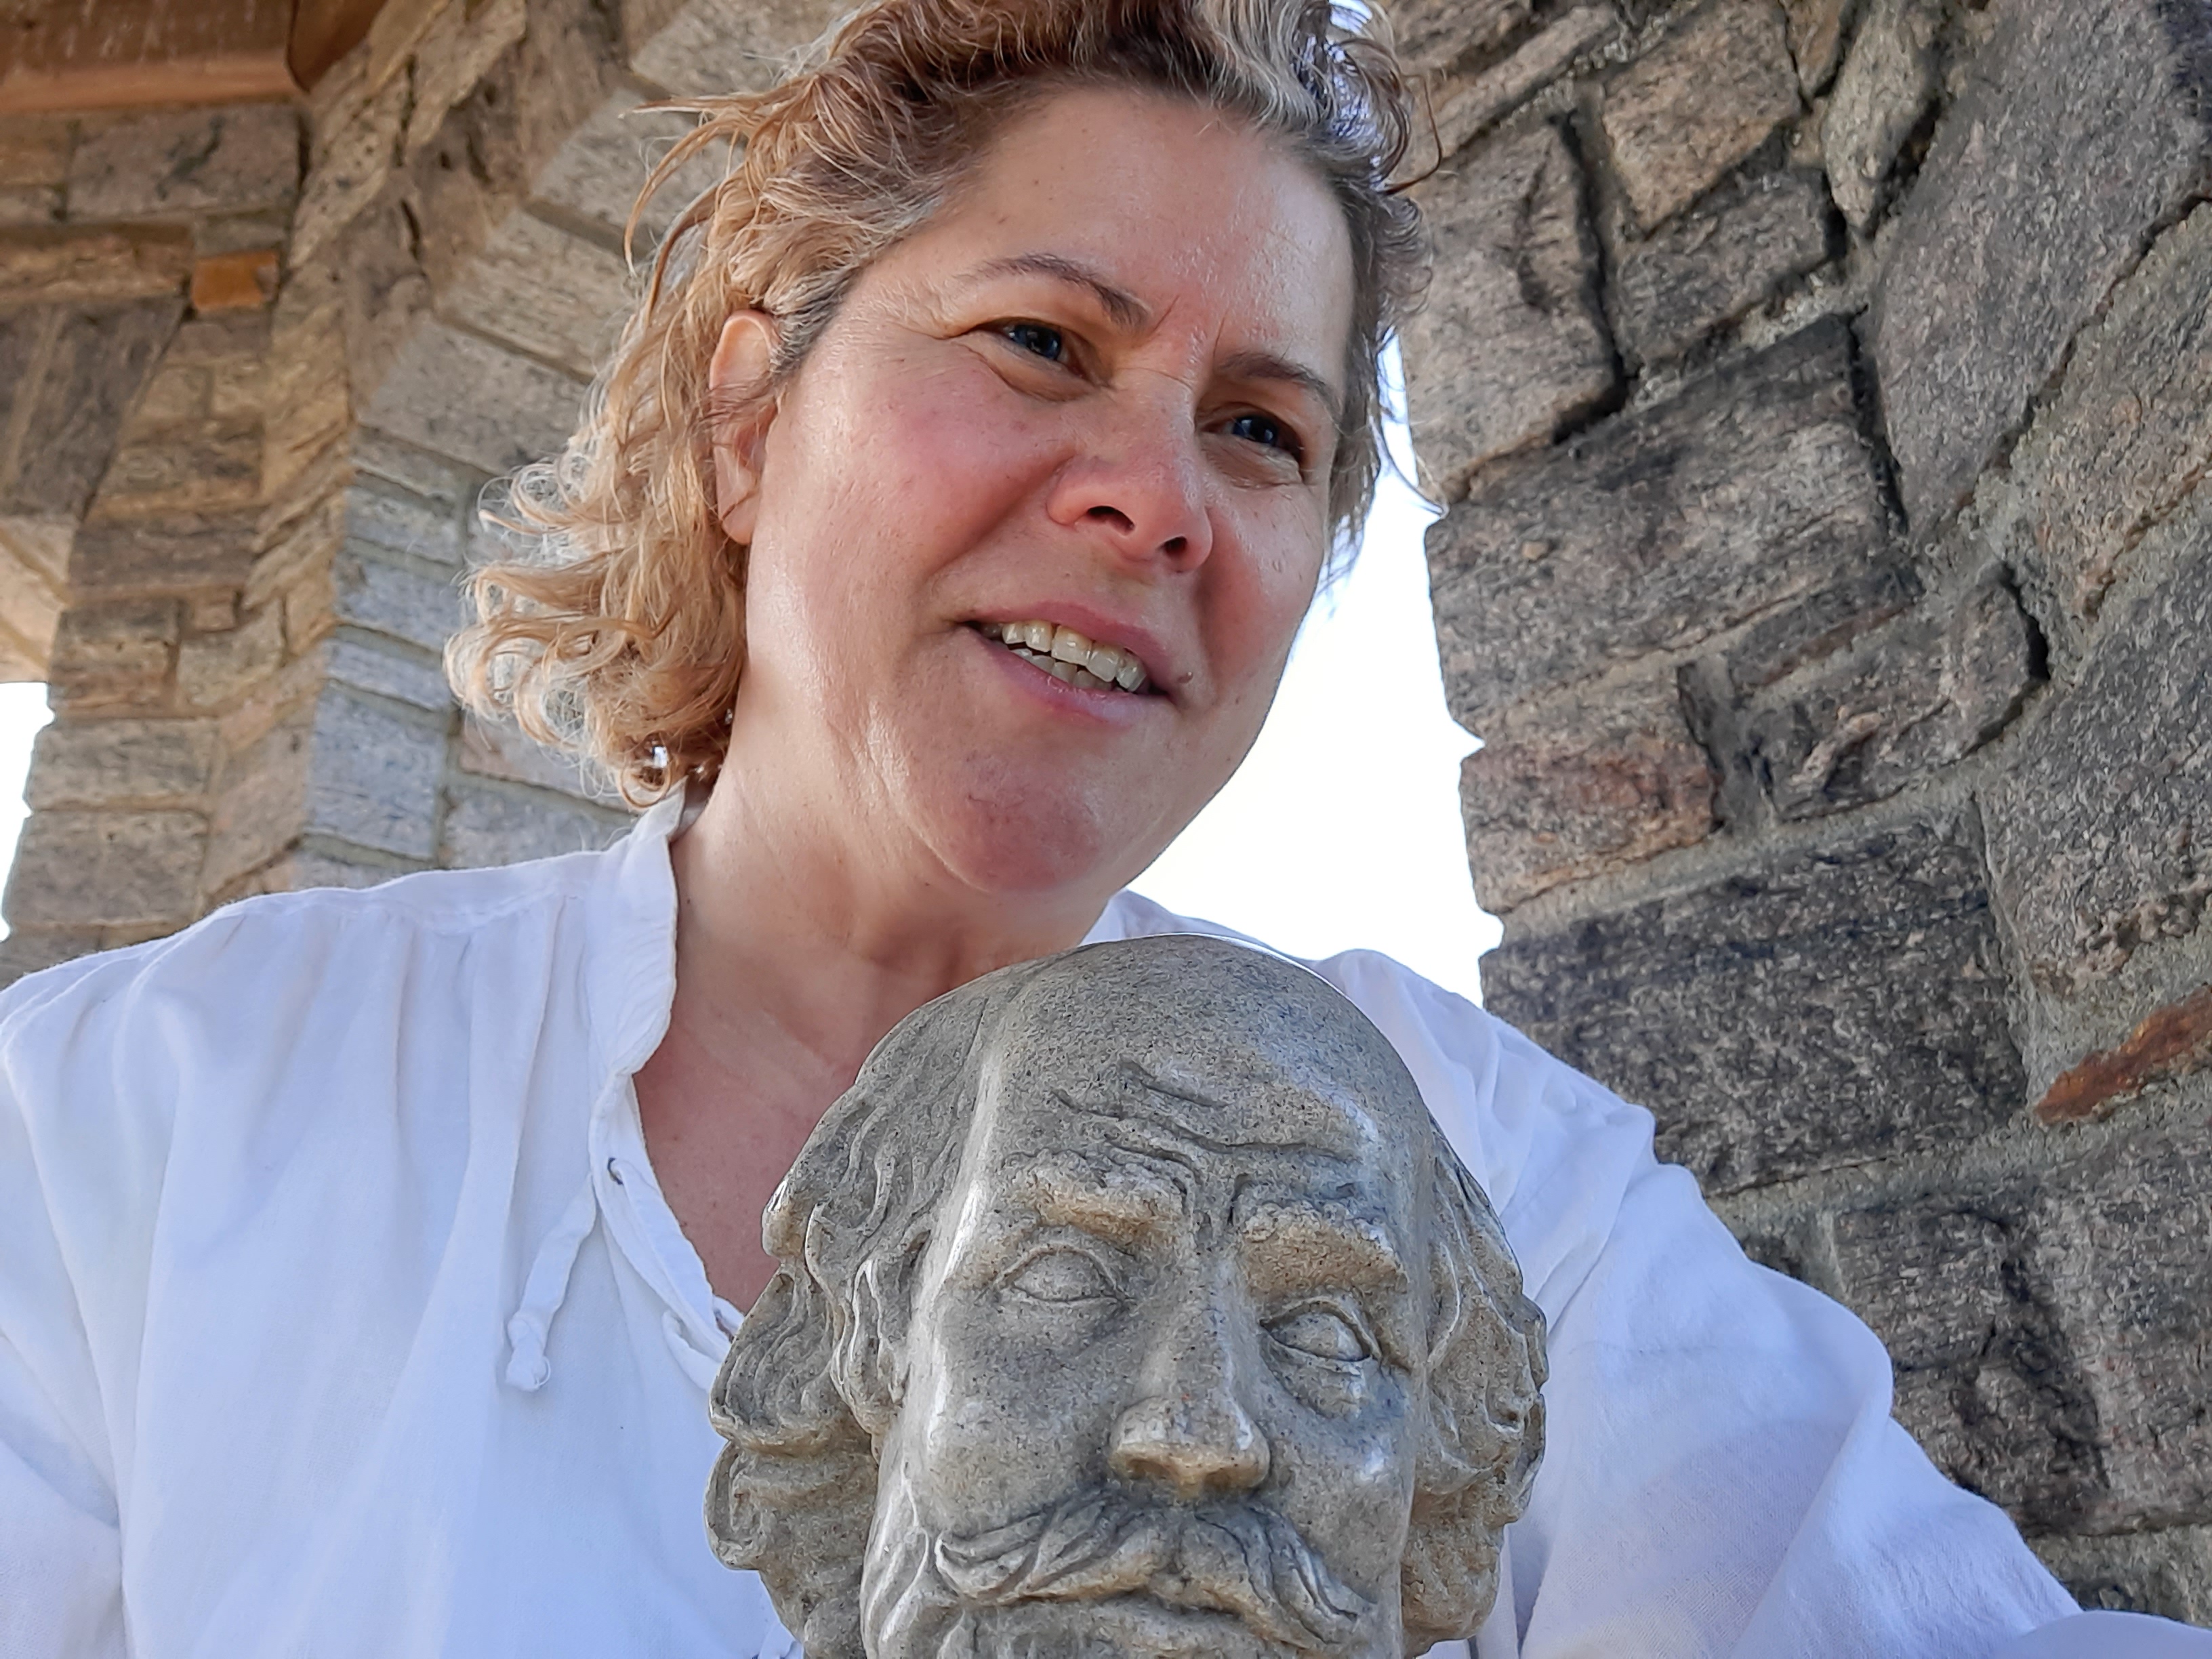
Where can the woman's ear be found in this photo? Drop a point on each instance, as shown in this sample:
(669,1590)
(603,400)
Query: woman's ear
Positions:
(735,374)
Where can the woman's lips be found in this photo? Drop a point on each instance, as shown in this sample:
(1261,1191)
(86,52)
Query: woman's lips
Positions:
(1071,656)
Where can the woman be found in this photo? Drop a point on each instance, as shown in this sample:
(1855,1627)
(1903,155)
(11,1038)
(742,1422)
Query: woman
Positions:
(931,555)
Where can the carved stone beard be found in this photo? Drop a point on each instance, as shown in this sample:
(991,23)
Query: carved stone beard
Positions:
(1110,1572)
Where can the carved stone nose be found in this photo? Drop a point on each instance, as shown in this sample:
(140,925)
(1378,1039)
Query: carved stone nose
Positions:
(1199,1446)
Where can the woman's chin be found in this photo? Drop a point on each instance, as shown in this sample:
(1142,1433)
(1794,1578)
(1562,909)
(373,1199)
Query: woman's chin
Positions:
(1036,848)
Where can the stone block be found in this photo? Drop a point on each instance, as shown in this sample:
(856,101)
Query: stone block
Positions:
(113,654)
(241,281)
(372,664)
(95,267)
(486,825)
(1987,1379)
(460,45)
(2167,1573)
(1751,490)
(1468,106)
(2098,835)
(402,522)
(1511,341)
(352,159)
(177,163)
(717,47)
(93,869)
(1828,621)
(173,553)
(374,779)
(554,295)
(121,762)
(1443,34)
(420,473)
(1816,38)
(1583,784)
(1707,95)
(30,605)
(1926,691)
(2130,431)
(31,950)
(214,669)
(2077,131)
(206,466)
(464,397)
(35,151)
(595,176)
(306,390)
(1711,266)
(1888,83)
(386,597)
(261,799)
(69,410)
(2168,1042)
(500,750)
(1833,1008)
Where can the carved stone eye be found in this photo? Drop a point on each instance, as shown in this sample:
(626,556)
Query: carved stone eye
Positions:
(1060,1275)
(1322,1333)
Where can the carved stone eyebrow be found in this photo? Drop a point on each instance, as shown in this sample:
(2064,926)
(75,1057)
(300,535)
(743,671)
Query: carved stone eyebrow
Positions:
(1292,1244)
(1123,1204)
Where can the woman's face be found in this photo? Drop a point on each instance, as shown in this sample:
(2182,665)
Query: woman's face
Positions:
(1094,397)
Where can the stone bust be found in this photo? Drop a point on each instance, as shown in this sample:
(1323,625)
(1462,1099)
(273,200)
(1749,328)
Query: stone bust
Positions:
(1130,1302)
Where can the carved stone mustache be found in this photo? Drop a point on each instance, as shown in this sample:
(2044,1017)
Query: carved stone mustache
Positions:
(1241,1559)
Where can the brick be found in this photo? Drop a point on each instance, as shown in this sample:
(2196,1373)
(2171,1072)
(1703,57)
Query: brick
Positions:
(489,826)
(1826,622)
(717,46)
(2167,1573)
(88,869)
(1442,34)
(1751,490)
(95,267)
(113,654)
(1886,85)
(1987,1379)
(1710,267)
(241,281)
(402,522)
(1468,106)
(391,599)
(372,665)
(176,163)
(460,44)
(1924,692)
(2096,834)
(213,669)
(352,161)
(1511,340)
(500,750)
(466,397)
(1816,38)
(554,295)
(2077,131)
(374,781)
(121,762)
(94,364)
(596,174)
(2130,432)
(1712,92)
(173,552)
(207,466)
(1833,1008)
(1584,784)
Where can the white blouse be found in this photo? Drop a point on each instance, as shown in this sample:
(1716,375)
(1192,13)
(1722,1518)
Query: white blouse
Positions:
(341,1314)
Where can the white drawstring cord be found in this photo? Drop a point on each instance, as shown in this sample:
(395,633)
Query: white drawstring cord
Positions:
(545,1289)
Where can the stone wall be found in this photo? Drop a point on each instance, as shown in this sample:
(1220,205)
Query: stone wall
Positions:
(1819,394)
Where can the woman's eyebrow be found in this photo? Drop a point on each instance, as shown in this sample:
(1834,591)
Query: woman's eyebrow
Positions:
(1125,308)
(1266,366)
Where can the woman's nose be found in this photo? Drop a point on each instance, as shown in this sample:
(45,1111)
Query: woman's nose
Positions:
(1139,486)
(1191,1432)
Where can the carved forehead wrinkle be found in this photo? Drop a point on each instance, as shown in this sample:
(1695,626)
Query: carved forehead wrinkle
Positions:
(1301,1243)
(1123,1201)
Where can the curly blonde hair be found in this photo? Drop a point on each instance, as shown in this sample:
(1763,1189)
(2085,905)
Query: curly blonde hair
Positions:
(618,630)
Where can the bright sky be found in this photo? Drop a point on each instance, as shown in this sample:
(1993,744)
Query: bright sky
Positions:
(1343,827)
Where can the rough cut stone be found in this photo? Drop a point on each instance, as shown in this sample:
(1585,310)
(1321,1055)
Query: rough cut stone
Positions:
(2168,1042)
(1987,1380)
(371,665)
(464,396)
(1833,1008)
(458,47)
(120,762)
(70,409)
(2130,432)
(1701,100)
(1511,340)
(353,160)
(1583,784)
(1657,529)
(1816,38)
(500,750)
(717,46)
(34,165)
(554,295)
(417,471)
(95,267)
(205,467)
(1888,83)
(1710,267)
(187,161)
(116,654)
(2077,129)
(403,522)
(1830,620)
(93,869)
(1930,690)
(1442,34)
(173,553)
(1466,108)
(2167,1573)
(596,175)
(2099,836)
(212,669)
(375,779)
(386,597)
(489,826)
(261,802)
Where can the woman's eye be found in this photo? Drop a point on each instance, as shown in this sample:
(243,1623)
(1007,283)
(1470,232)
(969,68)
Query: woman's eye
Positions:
(1265,430)
(1061,1276)
(1322,1333)
(1038,339)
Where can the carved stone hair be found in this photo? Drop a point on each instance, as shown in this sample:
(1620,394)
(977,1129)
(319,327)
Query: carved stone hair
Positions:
(809,1391)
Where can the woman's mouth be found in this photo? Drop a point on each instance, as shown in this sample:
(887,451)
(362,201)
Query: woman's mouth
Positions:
(1087,664)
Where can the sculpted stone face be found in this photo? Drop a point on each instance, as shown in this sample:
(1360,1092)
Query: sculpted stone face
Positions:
(1154,1367)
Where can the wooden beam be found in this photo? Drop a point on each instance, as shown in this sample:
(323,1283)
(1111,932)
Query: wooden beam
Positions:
(324,31)
(124,54)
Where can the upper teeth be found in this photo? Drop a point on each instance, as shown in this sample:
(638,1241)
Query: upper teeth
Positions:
(1065,654)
